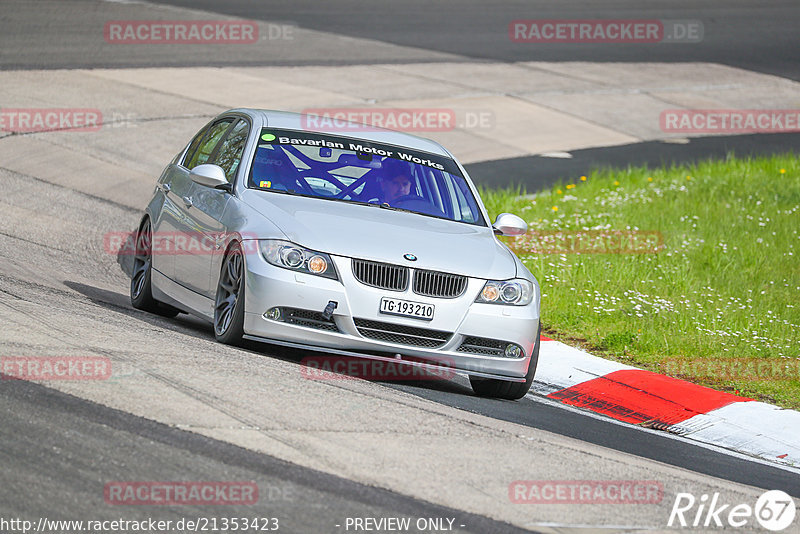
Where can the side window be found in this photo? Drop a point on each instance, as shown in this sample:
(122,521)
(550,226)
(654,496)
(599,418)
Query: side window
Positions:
(194,144)
(209,142)
(454,192)
(231,148)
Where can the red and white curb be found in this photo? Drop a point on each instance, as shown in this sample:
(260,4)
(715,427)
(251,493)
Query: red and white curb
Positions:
(577,378)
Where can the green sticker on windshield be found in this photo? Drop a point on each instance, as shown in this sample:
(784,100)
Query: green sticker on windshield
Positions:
(268,137)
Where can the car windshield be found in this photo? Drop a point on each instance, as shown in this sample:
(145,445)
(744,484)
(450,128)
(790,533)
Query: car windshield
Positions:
(349,170)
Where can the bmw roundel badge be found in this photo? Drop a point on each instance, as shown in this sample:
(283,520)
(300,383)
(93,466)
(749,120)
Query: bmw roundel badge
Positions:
(410,257)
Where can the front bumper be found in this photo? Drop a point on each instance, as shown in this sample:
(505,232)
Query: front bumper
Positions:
(268,286)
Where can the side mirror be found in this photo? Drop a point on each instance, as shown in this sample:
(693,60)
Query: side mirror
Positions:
(510,225)
(210,176)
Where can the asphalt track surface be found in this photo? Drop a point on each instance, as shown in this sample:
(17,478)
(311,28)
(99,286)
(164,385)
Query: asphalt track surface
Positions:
(533,412)
(759,36)
(73,447)
(58,449)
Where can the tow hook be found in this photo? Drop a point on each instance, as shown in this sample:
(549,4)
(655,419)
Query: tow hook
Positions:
(328,311)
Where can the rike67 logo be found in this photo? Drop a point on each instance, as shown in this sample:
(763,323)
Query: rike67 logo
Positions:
(774,510)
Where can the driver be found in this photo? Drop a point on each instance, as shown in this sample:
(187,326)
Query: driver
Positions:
(395,182)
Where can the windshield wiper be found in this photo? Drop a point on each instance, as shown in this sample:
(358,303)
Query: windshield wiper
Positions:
(393,208)
(359,202)
(378,205)
(284,192)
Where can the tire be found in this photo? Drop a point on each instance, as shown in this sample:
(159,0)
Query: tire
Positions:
(229,303)
(503,389)
(141,289)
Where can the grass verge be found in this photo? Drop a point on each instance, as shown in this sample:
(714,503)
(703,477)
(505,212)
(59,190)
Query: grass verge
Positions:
(718,302)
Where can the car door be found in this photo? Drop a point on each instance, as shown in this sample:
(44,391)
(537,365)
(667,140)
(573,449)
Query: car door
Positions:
(189,233)
(208,206)
(165,226)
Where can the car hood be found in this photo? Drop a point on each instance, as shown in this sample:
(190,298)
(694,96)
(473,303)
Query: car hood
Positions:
(372,233)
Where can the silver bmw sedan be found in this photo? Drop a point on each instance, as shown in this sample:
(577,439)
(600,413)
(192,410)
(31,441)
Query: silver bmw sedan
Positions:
(375,246)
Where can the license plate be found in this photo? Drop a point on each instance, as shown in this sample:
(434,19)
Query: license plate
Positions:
(406,308)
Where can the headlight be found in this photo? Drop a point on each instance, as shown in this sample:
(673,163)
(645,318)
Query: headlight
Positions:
(516,292)
(296,258)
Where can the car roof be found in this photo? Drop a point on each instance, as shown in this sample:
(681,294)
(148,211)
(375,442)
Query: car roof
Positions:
(295,121)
